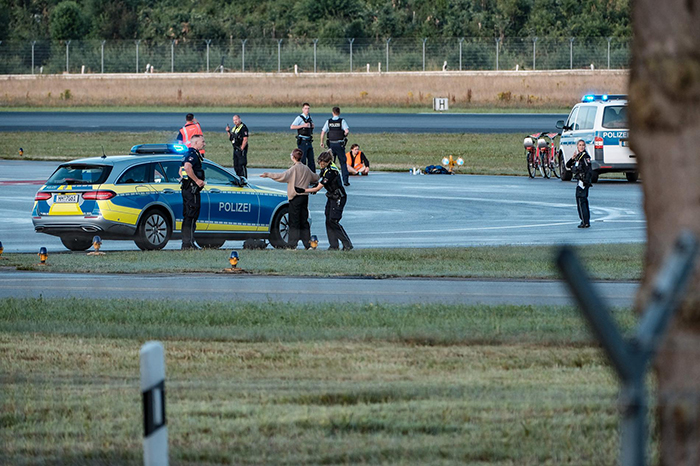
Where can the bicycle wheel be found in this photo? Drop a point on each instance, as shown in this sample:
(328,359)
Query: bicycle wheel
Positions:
(545,164)
(531,164)
(554,165)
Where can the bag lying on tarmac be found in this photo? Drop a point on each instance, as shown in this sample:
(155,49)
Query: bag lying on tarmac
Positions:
(436,170)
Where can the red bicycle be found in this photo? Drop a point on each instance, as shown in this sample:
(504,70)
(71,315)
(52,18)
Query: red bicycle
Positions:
(541,155)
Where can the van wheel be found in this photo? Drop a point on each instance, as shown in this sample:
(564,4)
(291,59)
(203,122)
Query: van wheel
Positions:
(632,177)
(154,231)
(594,177)
(279,228)
(76,243)
(565,174)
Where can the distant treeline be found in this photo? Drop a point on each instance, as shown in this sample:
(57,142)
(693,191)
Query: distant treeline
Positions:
(193,20)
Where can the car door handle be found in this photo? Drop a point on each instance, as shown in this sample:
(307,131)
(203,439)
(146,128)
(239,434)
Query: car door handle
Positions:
(168,191)
(215,190)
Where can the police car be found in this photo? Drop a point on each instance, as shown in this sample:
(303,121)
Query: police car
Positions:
(137,197)
(601,121)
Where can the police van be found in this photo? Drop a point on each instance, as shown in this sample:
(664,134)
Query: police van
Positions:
(601,121)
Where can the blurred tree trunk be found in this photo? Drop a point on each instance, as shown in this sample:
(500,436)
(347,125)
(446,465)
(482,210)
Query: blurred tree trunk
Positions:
(665,135)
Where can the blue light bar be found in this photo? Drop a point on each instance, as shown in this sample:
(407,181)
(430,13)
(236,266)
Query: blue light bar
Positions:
(152,149)
(603,97)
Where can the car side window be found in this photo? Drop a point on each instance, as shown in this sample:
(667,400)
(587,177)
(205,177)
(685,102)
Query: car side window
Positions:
(572,118)
(586,117)
(215,175)
(136,174)
(158,173)
(171,171)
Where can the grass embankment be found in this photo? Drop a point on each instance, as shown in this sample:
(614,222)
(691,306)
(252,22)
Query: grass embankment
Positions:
(464,91)
(307,384)
(291,110)
(605,261)
(488,154)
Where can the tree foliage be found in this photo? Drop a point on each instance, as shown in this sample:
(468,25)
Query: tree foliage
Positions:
(281,19)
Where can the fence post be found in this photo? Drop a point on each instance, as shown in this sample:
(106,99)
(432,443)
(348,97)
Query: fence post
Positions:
(102,57)
(609,40)
(155,428)
(243,55)
(208,41)
(67,55)
(33,43)
(172,56)
(630,358)
(460,53)
(571,53)
(387,54)
(351,41)
(425,39)
(534,52)
(315,42)
(279,54)
(498,42)
(137,55)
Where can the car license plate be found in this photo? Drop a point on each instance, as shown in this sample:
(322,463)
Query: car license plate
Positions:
(66,198)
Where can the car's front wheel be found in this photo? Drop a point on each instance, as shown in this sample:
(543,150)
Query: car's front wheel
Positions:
(154,231)
(565,174)
(76,243)
(632,177)
(279,228)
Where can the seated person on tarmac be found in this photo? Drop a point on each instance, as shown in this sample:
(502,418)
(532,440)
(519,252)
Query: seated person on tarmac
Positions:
(357,161)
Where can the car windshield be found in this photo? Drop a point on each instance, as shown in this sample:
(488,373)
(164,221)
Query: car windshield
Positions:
(80,174)
(615,117)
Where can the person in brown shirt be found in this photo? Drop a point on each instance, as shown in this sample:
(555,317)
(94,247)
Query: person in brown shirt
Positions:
(299,175)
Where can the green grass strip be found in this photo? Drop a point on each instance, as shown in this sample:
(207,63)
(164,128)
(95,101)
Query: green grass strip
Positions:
(605,262)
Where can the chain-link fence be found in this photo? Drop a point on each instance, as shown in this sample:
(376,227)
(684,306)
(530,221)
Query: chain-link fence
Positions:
(312,55)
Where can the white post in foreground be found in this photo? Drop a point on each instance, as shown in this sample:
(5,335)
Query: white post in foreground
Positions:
(155,430)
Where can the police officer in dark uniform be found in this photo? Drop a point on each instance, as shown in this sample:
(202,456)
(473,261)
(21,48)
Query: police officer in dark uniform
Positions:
(583,173)
(331,180)
(337,129)
(304,126)
(192,184)
(238,135)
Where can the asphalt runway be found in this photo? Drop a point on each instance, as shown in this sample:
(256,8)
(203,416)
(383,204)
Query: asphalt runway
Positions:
(386,210)
(220,287)
(275,122)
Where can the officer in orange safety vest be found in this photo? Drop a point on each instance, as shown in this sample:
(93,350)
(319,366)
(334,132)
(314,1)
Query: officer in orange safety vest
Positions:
(191,128)
(357,162)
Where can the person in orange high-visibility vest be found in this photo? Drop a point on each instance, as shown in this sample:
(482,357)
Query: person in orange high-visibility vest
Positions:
(357,162)
(191,128)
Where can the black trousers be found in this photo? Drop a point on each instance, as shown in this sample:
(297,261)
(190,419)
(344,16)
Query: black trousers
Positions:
(338,149)
(299,228)
(240,162)
(307,148)
(582,204)
(191,204)
(334,230)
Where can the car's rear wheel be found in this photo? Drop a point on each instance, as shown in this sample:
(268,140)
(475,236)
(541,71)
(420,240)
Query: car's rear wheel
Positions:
(279,228)
(76,243)
(565,174)
(210,243)
(632,177)
(154,231)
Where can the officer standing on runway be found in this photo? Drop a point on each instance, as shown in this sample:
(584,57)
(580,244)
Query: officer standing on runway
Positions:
(304,126)
(337,129)
(192,184)
(583,172)
(238,135)
(330,179)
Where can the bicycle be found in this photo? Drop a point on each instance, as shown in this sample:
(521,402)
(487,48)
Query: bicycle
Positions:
(549,155)
(532,156)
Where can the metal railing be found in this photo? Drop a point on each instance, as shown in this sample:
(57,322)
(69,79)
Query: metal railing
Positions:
(313,55)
